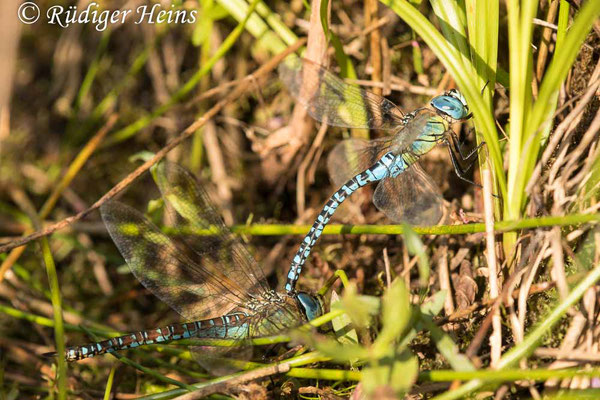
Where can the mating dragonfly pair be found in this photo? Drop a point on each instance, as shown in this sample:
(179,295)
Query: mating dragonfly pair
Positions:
(213,281)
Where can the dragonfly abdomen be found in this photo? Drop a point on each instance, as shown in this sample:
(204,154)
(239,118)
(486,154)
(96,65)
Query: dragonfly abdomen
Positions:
(231,326)
(387,165)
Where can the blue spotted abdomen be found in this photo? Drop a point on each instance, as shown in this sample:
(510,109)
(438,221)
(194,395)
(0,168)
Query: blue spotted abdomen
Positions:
(231,326)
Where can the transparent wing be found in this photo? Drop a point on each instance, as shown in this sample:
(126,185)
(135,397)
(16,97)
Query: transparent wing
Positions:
(214,358)
(231,258)
(353,156)
(330,100)
(194,288)
(410,197)
(199,282)
(274,318)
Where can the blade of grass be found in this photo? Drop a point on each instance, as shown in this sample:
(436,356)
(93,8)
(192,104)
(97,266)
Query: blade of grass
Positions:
(59,332)
(186,88)
(150,372)
(544,107)
(111,97)
(451,59)
(274,40)
(483,26)
(448,349)
(334,229)
(278,230)
(90,75)
(305,359)
(346,68)
(525,348)
(451,15)
(490,375)
(109,382)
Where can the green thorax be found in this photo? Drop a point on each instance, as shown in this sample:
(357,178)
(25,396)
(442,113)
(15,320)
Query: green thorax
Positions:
(420,134)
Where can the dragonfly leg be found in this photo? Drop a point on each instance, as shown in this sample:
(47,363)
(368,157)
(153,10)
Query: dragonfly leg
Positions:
(471,157)
(460,171)
(456,154)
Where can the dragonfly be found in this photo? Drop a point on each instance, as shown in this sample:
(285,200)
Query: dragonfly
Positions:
(211,280)
(404,192)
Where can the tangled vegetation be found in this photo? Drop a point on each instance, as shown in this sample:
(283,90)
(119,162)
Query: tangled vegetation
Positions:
(499,300)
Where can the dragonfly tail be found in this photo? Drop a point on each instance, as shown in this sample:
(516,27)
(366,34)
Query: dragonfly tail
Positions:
(227,326)
(378,171)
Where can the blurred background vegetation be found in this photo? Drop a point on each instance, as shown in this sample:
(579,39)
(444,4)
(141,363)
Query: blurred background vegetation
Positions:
(80,109)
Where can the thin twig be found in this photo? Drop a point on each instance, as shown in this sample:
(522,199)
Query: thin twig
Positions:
(400,85)
(488,204)
(301,176)
(388,270)
(444,277)
(234,95)
(62,185)
(374,42)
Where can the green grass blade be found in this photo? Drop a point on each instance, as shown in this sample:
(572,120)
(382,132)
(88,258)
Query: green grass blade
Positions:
(523,349)
(452,18)
(511,375)
(59,331)
(335,229)
(544,107)
(109,383)
(186,88)
(451,59)
(275,40)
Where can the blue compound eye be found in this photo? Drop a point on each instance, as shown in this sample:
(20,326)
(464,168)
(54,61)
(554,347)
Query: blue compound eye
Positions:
(311,305)
(452,103)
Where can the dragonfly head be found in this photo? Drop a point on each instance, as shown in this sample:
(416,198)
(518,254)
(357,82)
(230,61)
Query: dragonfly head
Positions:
(310,305)
(451,105)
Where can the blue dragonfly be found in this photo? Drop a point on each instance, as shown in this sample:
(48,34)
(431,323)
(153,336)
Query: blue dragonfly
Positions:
(405,193)
(211,280)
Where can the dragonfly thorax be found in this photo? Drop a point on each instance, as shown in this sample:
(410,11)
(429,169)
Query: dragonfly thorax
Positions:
(267,298)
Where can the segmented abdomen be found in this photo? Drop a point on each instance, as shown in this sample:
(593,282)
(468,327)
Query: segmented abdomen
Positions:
(231,326)
(384,167)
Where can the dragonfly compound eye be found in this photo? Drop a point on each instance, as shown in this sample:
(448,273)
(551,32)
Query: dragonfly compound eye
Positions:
(311,305)
(452,103)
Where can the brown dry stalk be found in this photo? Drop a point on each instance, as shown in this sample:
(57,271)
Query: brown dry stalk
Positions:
(375,39)
(119,187)
(305,164)
(545,41)
(488,204)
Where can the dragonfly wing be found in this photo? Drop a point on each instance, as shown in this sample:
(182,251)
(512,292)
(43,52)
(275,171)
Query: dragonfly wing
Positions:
(330,100)
(353,156)
(190,286)
(214,358)
(231,258)
(411,197)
